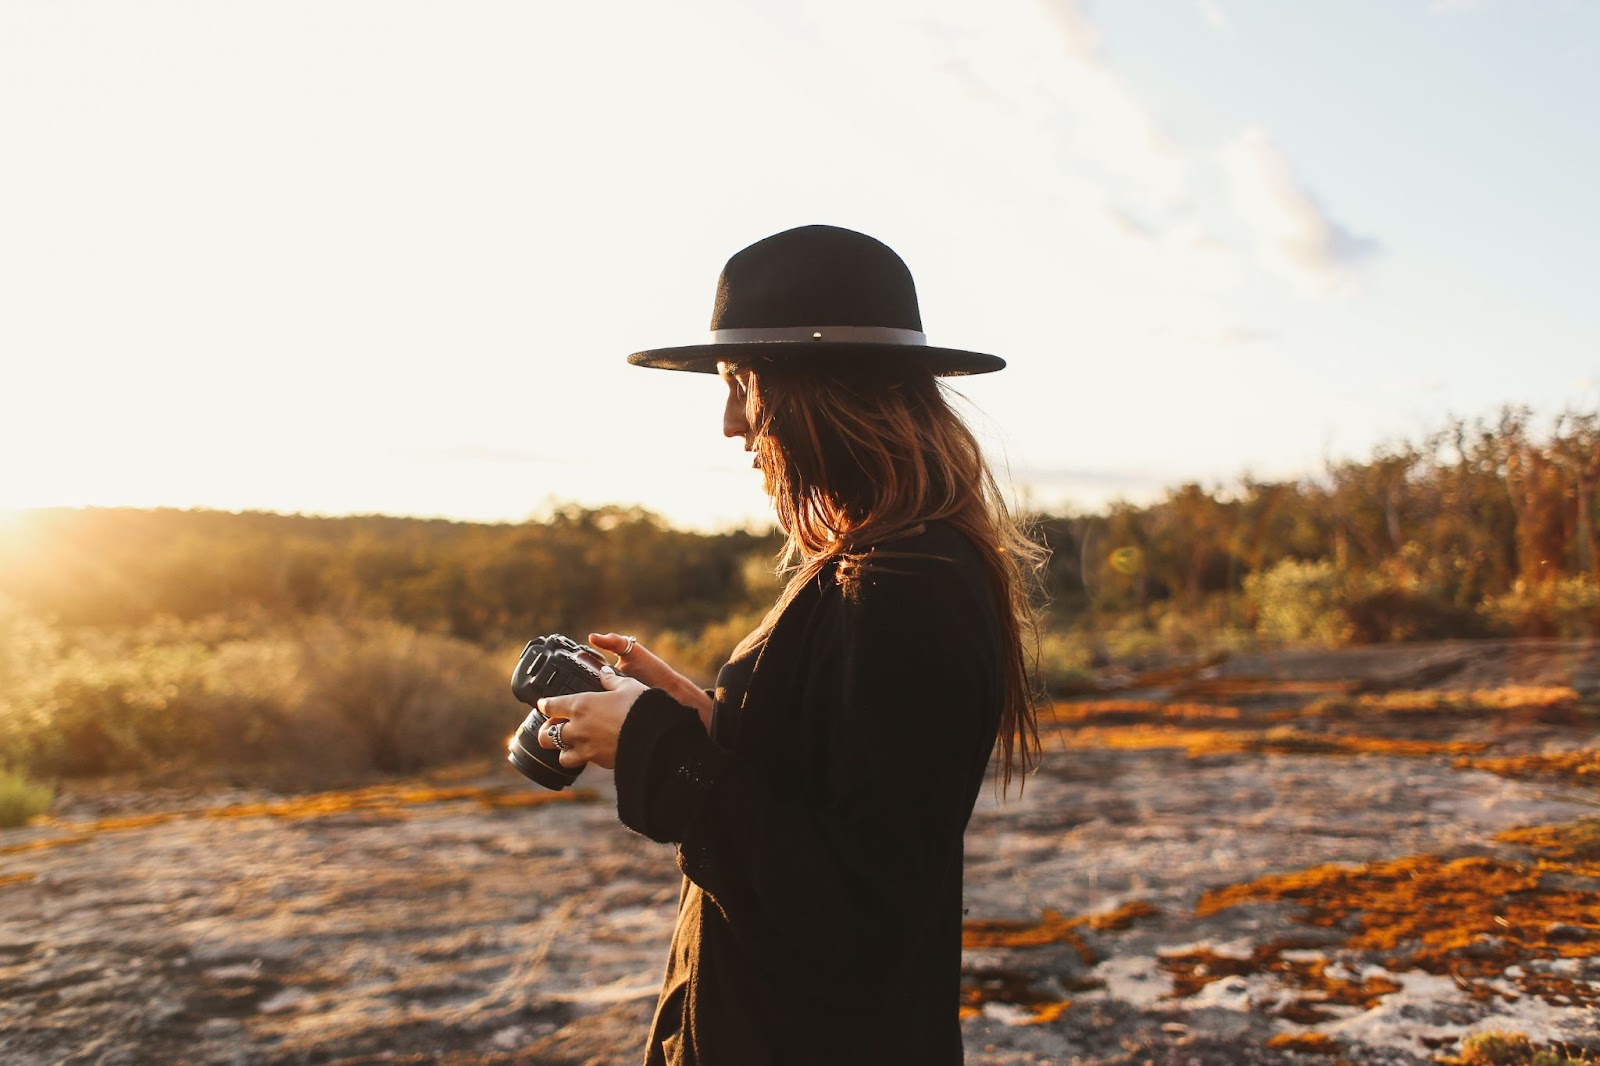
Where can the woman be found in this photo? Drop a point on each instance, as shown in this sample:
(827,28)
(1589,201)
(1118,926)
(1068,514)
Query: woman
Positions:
(819,796)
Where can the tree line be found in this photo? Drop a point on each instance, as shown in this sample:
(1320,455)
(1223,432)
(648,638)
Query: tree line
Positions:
(1422,539)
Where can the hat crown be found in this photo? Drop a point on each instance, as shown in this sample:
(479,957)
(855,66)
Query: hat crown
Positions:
(816,276)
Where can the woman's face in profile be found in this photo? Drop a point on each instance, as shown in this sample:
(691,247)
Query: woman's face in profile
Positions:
(736,412)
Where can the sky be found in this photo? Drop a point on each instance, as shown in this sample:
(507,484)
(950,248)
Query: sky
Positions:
(390,256)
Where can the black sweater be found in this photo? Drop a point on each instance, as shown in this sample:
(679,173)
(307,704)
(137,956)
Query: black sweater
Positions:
(820,920)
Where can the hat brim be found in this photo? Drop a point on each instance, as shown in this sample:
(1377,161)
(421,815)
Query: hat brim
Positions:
(703,358)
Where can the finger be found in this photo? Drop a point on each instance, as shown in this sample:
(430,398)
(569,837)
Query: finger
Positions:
(558,706)
(546,740)
(618,644)
(571,760)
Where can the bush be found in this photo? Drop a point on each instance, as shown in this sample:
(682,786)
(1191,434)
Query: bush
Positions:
(698,656)
(1066,662)
(1297,602)
(312,703)
(21,800)
(1564,607)
(1400,614)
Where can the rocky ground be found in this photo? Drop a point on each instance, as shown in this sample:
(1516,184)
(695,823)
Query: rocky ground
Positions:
(1357,856)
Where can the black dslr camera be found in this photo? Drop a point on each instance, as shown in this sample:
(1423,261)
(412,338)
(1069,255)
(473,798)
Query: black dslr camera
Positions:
(550,666)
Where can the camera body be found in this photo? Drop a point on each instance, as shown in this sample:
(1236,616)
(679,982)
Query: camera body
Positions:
(550,666)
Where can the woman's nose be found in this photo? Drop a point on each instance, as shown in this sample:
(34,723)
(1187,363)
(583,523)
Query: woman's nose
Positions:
(734,423)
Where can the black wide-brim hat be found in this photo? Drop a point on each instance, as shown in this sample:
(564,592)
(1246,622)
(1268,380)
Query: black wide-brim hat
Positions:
(823,295)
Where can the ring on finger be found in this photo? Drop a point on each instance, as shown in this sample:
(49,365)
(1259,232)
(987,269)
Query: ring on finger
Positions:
(628,648)
(555,736)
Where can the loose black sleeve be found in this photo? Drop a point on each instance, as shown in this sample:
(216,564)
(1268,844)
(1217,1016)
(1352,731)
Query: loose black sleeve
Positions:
(832,882)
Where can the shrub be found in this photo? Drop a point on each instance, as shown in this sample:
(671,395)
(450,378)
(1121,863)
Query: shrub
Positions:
(1066,662)
(1298,602)
(21,800)
(1399,614)
(1564,607)
(698,656)
(307,704)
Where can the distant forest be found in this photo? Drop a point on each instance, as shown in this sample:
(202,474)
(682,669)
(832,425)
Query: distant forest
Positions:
(307,652)
(1481,527)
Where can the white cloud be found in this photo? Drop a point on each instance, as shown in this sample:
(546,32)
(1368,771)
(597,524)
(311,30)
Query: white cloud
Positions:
(1292,229)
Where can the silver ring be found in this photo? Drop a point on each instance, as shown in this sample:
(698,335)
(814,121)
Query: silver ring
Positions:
(626,651)
(555,736)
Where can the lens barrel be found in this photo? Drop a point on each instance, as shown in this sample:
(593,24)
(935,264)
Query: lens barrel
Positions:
(540,765)
(549,666)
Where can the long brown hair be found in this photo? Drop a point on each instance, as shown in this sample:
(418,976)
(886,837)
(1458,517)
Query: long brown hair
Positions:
(859,458)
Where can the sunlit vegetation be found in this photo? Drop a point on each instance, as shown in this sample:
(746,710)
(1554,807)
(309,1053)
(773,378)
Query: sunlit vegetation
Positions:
(1513,1049)
(1483,920)
(21,800)
(305,701)
(1485,527)
(310,651)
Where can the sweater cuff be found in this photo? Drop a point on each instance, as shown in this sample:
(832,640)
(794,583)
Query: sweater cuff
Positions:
(666,765)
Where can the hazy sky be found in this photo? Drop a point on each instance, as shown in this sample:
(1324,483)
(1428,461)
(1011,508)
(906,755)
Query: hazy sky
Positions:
(389,256)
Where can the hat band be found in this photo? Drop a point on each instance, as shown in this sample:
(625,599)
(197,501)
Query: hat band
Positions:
(835,334)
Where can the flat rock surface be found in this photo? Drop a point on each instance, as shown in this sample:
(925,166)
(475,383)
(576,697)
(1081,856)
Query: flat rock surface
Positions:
(450,921)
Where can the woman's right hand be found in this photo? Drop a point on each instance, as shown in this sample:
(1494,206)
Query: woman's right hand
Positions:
(644,665)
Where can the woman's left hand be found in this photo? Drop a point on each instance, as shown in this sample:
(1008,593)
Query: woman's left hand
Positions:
(593,720)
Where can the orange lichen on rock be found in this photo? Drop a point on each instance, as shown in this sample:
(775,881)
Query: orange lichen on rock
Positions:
(1470,918)
(1052,927)
(1233,687)
(48,842)
(1070,714)
(1539,701)
(1572,848)
(1278,741)
(1012,988)
(1579,767)
(1306,1043)
(1017,987)
(1123,916)
(379,799)
(1318,988)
